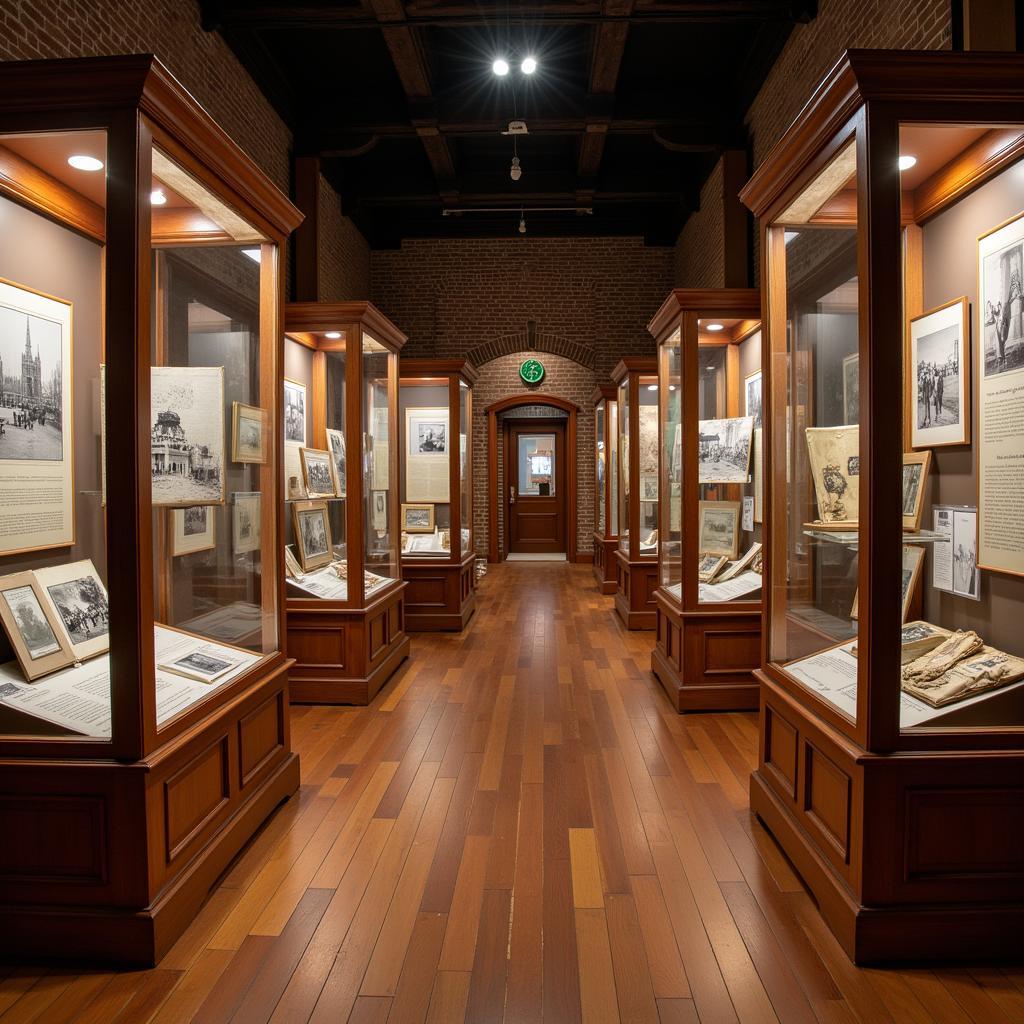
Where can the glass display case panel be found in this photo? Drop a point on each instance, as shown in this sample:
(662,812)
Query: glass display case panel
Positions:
(379,468)
(465,468)
(671,485)
(425,488)
(816,458)
(536,456)
(613,466)
(600,465)
(623,405)
(647,456)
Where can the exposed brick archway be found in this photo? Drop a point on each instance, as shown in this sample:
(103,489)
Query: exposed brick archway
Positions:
(536,341)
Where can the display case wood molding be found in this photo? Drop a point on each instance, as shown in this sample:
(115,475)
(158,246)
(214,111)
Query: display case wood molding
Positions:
(441,592)
(343,358)
(636,556)
(126,784)
(606,485)
(895,788)
(708,642)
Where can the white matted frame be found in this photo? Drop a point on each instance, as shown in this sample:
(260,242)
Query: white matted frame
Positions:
(938,370)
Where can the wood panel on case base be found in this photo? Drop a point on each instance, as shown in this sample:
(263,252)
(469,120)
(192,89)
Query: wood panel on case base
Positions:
(345,655)
(439,596)
(110,861)
(705,660)
(634,595)
(911,856)
(604,562)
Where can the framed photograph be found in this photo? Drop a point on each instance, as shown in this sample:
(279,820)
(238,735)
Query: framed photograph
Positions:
(312,534)
(192,529)
(336,446)
(245,522)
(317,472)
(76,594)
(205,666)
(752,398)
(295,412)
(718,528)
(938,376)
(649,488)
(723,450)
(379,510)
(708,567)
(913,559)
(36,435)
(915,476)
(426,455)
(248,431)
(36,634)
(851,388)
(187,446)
(417,518)
(834,454)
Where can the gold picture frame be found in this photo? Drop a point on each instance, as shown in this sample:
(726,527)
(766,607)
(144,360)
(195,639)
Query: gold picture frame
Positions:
(40,642)
(915,476)
(317,473)
(192,529)
(243,417)
(312,534)
(421,523)
(718,528)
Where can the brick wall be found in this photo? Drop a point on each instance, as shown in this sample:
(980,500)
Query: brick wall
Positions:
(344,262)
(699,252)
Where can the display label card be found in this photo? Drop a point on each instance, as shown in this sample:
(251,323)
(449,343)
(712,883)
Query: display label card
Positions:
(748,514)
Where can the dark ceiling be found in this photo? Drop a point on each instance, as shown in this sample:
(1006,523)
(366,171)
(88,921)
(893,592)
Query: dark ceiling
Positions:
(630,105)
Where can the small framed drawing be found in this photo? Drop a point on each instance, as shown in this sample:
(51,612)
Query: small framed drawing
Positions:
(937,376)
(752,397)
(709,566)
(192,529)
(294,412)
(39,641)
(76,593)
(418,518)
(915,476)
(336,446)
(312,534)
(851,388)
(317,473)
(245,522)
(913,559)
(248,433)
(718,528)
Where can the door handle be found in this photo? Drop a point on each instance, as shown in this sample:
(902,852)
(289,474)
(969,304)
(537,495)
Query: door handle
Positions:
(511,495)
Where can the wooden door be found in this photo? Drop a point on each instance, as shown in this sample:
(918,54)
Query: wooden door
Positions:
(535,486)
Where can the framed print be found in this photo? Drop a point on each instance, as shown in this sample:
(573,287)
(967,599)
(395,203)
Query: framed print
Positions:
(1000,397)
(426,455)
(718,528)
(336,446)
(938,376)
(915,476)
(248,431)
(379,510)
(295,412)
(291,563)
(649,488)
(312,534)
(317,473)
(36,634)
(834,454)
(708,567)
(205,666)
(187,446)
(192,529)
(913,559)
(851,388)
(245,522)
(752,398)
(723,450)
(36,435)
(417,518)
(76,594)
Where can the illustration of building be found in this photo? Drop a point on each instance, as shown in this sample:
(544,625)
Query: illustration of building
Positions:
(170,451)
(31,369)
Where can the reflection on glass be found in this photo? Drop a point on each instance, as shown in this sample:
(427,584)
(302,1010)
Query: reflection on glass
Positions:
(381,556)
(466,468)
(647,452)
(623,474)
(600,465)
(672,465)
(537,465)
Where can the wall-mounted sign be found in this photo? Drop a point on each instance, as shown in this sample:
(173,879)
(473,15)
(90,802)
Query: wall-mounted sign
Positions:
(532,371)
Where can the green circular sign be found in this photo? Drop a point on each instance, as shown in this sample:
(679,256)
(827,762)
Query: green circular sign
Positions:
(532,371)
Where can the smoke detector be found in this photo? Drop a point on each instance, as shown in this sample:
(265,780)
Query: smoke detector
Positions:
(517,128)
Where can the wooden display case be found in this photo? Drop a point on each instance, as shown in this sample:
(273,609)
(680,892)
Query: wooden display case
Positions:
(636,556)
(891,243)
(347,636)
(606,485)
(141,280)
(436,488)
(709,392)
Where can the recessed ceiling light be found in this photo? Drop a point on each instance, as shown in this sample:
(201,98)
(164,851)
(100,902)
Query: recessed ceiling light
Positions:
(80,162)
(906,162)
(500,67)
(529,65)
(157,197)
(652,387)
(333,335)
(253,254)
(715,327)
(671,387)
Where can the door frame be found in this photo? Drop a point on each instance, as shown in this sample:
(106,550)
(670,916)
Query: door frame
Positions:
(540,426)
(513,402)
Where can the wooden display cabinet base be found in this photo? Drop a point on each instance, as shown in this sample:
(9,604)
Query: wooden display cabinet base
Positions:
(706,660)
(911,857)
(114,860)
(439,597)
(604,563)
(636,583)
(345,655)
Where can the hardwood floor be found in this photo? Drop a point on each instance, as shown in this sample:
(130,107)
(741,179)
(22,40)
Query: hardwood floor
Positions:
(519,828)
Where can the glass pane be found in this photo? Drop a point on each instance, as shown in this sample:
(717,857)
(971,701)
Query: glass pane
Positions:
(537,465)
(381,536)
(466,467)
(426,503)
(600,461)
(647,445)
(816,458)
(672,465)
(53,556)
(623,407)
(613,465)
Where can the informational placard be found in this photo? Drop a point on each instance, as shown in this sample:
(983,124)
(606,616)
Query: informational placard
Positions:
(748,514)
(426,455)
(955,562)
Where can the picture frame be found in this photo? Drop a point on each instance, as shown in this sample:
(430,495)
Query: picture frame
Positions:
(312,528)
(427,451)
(915,477)
(834,457)
(336,447)
(294,412)
(417,517)
(248,434)
(77,596)
(192,529)
(718,528)
(937,376)
(913,560)
(37,637)
(752,398)
(709,566)
(246,527)
(317,473)
(723,450)
(851,389)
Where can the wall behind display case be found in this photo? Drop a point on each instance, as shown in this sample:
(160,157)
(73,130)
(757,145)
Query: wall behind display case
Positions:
(950,243)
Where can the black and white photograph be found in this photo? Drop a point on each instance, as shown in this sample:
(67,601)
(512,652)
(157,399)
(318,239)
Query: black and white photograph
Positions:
(426,463)
(193,529)
(966,575)
(245,522)
(851,388)
(911,486)
(1002,300)
(379,510)
(431,438)
(248,429)
(77,596)
(723,450)
(417,518)
(649,488)
(187,443)
(33,626)
(312,534)
(336,446)
(294,412)
(752,390)
(317,472)
(718,528)
(200,665)
(35,631)
(938,375)
(915,477)
(196,520)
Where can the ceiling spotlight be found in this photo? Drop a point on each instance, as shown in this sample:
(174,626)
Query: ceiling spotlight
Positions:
(157,197)
(652,387)
(500,67)
(906,162)
(516,171)
(522,225)
(715,327)
(333,335)
(85,163)
(528,66)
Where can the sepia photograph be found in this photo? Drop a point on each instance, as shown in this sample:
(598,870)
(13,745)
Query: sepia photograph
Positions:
(312,534)
(294,412)
(851,388)
(1001,280)
(938,375)
(718,528)
(77,595)
(34,629)
(723,450)
(915,476)
(192,529)
(248,428)
(317,472)
(245,522)
(834,454)
(336,446)
(708,567)
(752,389)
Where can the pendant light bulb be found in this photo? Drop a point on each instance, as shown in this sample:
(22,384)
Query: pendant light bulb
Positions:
(522,224)
(516,172)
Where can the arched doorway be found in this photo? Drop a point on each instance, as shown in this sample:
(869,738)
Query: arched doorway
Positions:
(570,409)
